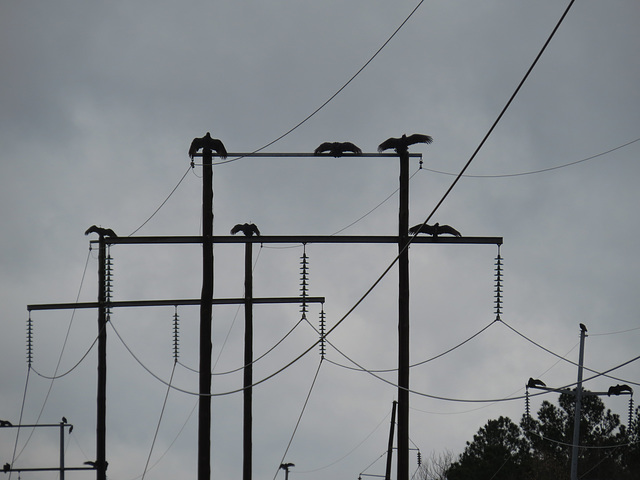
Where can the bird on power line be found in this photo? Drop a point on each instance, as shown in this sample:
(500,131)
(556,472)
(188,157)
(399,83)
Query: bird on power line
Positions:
(401,145)
(337,149)
(207,142)
(248,229)
(618,389)
(534,382)
(103,232)
(5,423)
(435,230)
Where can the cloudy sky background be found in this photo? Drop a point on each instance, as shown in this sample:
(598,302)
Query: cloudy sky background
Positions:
(99,103)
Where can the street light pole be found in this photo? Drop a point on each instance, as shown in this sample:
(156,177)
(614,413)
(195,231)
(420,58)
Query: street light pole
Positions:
(576,417)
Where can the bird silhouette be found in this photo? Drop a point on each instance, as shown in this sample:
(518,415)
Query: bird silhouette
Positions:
(435,230)
(6,467)
(64,420)
(534,382)
(582,327)
(248,229)
(401,145)
(103,232)
(618,389)
(209,143)
(337,149)
(5,423)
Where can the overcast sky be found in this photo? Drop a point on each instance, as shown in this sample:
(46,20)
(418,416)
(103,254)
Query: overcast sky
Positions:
(99,103)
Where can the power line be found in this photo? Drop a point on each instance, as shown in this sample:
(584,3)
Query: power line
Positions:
(543,170)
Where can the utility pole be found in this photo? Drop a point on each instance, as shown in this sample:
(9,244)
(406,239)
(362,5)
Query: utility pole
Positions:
(248,363)
(387,475)
(577,416)
(403,320)
(204,402)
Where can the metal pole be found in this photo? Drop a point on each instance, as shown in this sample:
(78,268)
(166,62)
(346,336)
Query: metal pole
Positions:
(387,475)
(61,450)
(101,418)
(577,414)
(204,403)
(403,321)
(248,360)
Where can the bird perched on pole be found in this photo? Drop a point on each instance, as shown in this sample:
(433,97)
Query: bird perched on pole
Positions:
(207,142)
(337,149)
(103,232)
(401,145)
(534,382)
(248,229)
(618,389)
(435,230)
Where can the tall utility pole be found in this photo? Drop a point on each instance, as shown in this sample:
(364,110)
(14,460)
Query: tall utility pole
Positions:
(204,402)
(387,473)
(577,415)
(101,418)
(403,320)
(248,361)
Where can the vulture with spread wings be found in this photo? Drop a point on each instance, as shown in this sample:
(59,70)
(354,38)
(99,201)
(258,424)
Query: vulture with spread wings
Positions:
(103,232)
(248,229)
(401,145)
(535,382)
(435,230)
(618,389)
(209,143)
(337,149)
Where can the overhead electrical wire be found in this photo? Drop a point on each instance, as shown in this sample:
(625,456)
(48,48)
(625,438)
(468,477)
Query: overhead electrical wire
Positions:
(353,77)
(543,170)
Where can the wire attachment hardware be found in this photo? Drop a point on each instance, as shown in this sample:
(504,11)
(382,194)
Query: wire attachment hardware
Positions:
(108,279)
(304,277)
(498,282)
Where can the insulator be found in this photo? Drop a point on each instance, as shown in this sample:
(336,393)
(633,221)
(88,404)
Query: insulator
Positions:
(322,332)
(304,265)
(419,458)
(527,409)
(631,412)
(498,283)
(29,341)
(176,331)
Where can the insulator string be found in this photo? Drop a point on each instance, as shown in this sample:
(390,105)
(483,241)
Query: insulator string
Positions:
(304,278)
(29,341)
(176,331)
(498,284)
(322,325)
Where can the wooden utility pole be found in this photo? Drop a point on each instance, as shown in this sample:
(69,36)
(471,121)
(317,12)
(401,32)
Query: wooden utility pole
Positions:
(577,414)
(387,475)
(204,402)
(403,321)
(101,418)
(247,440)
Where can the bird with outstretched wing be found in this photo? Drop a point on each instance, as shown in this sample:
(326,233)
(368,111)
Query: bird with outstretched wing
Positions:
(209,143)
(401,145)
(535,382)
(337,149)
(248,229)
(103,232)
(435,230)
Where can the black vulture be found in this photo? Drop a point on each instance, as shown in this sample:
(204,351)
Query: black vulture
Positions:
(582,327)
(435,230)
(6,467)
(103,232)
(5,423)
(618,389)
(337,148)
(207,142)
(400,145)
(64,420)
(248,229)
(534,382)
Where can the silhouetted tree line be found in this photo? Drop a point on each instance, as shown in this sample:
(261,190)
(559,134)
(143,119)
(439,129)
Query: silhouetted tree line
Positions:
(540,448)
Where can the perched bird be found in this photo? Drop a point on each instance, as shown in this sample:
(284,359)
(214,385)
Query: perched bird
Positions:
(618,389)
(64,420)
(400,145)
(534,382)
(248,229)
(337,148)
(103,232)
(207,142)
(91,464)
(435,230)
(582,327)
(5,423)
(6,467)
